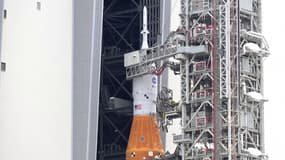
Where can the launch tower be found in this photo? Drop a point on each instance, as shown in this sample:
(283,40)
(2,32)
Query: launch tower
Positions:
(220,50)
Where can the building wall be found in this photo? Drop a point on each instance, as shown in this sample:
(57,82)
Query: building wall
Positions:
(86,77)
(35,89)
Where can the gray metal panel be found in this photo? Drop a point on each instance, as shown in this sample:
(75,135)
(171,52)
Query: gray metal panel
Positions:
(201,49)
(86,77)
(246,5)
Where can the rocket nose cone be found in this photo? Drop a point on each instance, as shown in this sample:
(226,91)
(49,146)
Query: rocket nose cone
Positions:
(144,9)
(145,16)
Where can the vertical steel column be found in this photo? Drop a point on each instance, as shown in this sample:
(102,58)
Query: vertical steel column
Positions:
(228,74)
(184,73)
(183,98)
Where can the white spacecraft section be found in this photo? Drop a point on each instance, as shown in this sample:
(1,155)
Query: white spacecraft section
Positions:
(145,94)
(36,88)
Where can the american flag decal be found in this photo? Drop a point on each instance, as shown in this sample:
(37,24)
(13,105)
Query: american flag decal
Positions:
(138,107)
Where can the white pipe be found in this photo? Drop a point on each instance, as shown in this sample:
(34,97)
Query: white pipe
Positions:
(187,64)
(228,76)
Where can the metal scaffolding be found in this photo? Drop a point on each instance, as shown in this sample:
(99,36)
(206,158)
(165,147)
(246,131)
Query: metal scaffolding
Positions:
(220,51)
(220,123)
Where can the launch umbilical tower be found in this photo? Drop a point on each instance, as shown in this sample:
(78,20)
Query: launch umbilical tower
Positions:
(220,50)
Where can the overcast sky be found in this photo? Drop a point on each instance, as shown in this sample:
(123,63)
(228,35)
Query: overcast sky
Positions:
(274,76)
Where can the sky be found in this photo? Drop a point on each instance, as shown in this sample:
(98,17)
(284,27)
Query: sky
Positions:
(274,75)
(274,31)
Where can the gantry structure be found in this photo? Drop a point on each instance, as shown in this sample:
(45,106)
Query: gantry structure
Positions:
(222,109)
(220,50)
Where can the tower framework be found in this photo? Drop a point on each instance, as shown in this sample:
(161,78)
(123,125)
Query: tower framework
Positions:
(220,50)
(222,88)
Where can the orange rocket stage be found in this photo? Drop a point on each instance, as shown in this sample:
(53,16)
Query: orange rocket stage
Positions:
(144,140)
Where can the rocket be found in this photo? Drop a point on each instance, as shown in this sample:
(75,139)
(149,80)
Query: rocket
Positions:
(144,140)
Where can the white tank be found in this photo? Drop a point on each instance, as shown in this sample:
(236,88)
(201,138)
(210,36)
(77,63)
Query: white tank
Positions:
(145,93)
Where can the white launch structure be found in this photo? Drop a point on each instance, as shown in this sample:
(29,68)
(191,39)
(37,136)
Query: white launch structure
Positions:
(220,51)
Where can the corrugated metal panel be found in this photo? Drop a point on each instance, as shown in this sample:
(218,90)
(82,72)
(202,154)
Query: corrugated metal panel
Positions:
(247,119)
(245,65)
